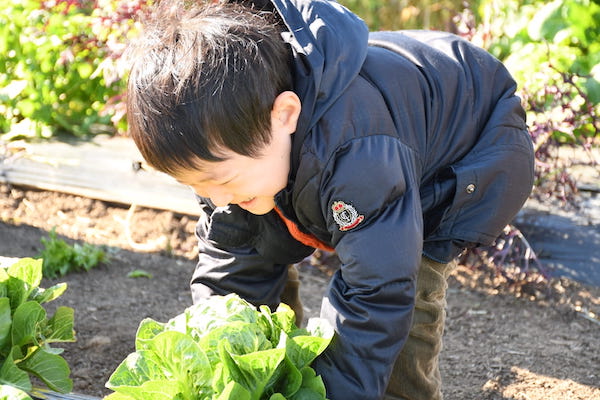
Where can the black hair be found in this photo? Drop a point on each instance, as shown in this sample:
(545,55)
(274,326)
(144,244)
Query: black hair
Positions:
(204,77)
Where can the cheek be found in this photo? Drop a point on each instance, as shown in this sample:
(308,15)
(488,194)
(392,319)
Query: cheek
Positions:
(200,191)
(276,177)
(282,179)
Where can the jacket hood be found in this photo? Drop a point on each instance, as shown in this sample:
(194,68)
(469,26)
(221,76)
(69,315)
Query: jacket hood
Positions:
(329,46)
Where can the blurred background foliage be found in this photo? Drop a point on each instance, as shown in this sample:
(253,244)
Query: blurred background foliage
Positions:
(62,71)
(60,66)
(407,14)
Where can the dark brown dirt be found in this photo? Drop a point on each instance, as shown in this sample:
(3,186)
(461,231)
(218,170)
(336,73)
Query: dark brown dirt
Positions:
(530,341)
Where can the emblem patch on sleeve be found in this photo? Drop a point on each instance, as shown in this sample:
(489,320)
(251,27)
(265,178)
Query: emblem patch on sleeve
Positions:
(345,215)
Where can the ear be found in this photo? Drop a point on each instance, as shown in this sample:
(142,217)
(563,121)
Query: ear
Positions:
(285,113)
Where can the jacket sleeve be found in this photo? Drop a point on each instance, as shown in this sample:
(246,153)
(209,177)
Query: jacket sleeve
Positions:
(243,253)
(371,298)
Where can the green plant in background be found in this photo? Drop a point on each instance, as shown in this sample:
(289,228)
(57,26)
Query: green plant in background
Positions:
(114,22)
(553,51)
(58,66)
(26,332)
(224,349)
(61,258)
(48,67)
(406,14)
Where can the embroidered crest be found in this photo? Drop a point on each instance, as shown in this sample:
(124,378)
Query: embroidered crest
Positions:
(345,215)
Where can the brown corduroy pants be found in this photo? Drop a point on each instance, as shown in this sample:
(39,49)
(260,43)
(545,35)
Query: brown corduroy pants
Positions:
(416,373)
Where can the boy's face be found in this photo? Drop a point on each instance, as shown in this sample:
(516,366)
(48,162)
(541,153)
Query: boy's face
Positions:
(251,183)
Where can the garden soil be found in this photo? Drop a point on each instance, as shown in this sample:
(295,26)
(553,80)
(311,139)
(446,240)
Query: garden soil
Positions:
(527,339)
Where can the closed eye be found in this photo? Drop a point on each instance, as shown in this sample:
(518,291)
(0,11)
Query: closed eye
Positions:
(227,181)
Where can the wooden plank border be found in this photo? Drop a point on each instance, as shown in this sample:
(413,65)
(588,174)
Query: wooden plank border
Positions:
(102,168)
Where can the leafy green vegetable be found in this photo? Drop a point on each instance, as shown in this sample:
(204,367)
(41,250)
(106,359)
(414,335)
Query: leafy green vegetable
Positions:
(26,332)
(61,258)
(8,392)
(139,273)
(223,349)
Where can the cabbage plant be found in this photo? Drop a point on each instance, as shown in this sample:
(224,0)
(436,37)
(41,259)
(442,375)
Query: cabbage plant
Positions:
(27,332)
(224,348)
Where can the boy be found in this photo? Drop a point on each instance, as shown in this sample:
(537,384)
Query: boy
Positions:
(299,130)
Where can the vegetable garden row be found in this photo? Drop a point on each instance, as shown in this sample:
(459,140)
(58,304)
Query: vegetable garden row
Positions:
(221,349)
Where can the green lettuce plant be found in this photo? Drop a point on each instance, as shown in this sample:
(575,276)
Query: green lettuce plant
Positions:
(8,392)
(223,348)
(60,258)
(26,331)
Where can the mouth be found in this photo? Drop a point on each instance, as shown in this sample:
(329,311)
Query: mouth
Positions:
(247,203)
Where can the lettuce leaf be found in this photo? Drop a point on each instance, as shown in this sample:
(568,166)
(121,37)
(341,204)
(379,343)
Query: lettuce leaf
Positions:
(26,331)
(223,348)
